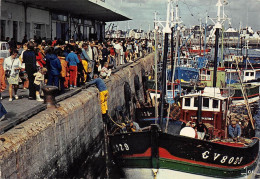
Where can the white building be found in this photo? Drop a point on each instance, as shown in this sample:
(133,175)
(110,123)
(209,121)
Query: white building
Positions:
(78,19)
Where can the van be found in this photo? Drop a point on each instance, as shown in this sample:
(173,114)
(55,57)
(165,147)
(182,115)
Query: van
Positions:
(4,49)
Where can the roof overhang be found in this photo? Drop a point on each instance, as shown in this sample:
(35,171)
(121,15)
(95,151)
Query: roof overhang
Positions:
(89,9)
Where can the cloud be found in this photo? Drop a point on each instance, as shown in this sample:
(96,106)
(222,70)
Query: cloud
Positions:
(142,11)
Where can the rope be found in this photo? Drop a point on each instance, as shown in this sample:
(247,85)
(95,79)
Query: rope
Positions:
(244,92)
(121,126)
(255,138)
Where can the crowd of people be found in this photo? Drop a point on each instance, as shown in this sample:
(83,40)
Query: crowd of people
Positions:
(67,65)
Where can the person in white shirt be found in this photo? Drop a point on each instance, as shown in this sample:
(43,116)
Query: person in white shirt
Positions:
(150,46)
(12,66)
(105,72)
(91,63)
(90,52)
(119,52)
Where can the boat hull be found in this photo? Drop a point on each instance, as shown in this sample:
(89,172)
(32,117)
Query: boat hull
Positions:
(148,150)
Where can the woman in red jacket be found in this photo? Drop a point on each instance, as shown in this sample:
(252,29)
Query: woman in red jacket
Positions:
(39,58)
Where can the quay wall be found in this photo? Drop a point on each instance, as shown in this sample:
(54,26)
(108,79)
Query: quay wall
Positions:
(56,141)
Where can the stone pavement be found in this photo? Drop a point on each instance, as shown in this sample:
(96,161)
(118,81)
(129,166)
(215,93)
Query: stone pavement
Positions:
(23,108)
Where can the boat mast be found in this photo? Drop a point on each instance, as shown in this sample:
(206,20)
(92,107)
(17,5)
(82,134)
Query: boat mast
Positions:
(217,27)
(172,43)
(156,63)
(216,55)
(205,40)
(167,32)
(200,38)
(174,23)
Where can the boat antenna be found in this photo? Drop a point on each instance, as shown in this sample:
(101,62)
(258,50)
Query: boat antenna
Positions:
(218,24)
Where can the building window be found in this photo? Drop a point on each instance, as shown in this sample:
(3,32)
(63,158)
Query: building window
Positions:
(205,75)
(187,102)
(2,30)
(196,102)
(215,103)
(206,102)
(38,30)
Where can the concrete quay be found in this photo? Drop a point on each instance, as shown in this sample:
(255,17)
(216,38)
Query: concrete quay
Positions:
(53,142)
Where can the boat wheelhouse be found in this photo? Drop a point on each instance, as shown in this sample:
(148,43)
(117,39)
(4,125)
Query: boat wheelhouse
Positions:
(213,108)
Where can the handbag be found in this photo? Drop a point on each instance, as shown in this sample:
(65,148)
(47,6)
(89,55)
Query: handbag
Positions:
(7,73)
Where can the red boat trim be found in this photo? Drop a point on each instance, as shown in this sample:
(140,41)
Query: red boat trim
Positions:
(230,144)
(163,153)
(147,153)
(253,95)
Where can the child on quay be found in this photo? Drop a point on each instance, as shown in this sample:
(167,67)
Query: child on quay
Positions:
(39,79)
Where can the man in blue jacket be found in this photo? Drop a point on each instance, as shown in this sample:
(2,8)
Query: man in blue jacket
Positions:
(103,94)
(54,67)
(234,130)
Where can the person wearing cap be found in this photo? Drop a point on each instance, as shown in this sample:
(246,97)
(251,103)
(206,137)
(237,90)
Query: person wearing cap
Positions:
(234,130)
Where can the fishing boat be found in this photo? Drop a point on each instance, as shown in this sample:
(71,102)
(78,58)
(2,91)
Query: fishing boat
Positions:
(155,153)
(198,50)
(151,153)
(158,151)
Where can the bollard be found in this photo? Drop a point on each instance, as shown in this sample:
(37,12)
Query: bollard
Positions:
(49,95)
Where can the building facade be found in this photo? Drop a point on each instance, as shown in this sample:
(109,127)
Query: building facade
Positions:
(80,20)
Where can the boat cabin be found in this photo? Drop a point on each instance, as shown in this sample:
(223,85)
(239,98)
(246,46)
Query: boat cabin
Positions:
(172,90)
(206,77)
(213,107)
(249,75)
(233,58)
(233,77)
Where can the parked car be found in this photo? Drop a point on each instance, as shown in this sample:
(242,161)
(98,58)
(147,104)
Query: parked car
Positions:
(4,49)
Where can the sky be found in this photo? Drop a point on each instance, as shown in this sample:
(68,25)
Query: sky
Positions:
(142,12)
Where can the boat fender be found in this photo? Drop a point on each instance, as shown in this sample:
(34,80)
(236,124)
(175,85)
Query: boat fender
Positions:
(188,132)
(137,83)
(127,92)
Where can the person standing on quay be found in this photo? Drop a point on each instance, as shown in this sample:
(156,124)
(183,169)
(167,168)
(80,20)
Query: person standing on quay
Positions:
(103,94)
(29,59)
(13,65)
(73,60)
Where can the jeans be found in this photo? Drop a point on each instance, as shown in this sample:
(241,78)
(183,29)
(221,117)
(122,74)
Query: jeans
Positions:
(201,135)
(92,65)
(53,80)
